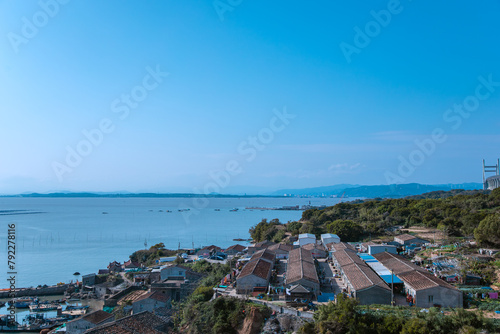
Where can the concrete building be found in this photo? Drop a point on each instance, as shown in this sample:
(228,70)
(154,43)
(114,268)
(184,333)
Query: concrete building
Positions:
(302,271)
(408,239)
(88,280)
(365,285)
(328,238)
(305,238)
(375,249)
(425,289)
(178,272)
(151,301)
(91,320)
(361,281)
(234,249)
(255,273)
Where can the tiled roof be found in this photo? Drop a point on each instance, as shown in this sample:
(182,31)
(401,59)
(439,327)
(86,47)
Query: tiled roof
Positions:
(140,323)
(345,257)
(301,266)
(342,245)
(397,264)
(314,246)
(237,247)
(259,267)
(96,317)
(362,277)
(264,244)
(282,247)
(264,254)
(156,295)
(420,280)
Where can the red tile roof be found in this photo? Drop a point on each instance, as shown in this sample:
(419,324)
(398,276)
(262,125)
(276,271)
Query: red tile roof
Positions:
(281,247)
(420,280)
(264,254)
(97,317)
(259,267)
(362,277)
(301,266)
(342,245)
(346,256)
(237,248)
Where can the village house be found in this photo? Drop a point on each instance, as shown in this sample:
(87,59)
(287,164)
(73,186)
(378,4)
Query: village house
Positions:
(408,239)
(375,249)
(425,289)
(281,250)
(254,274)
(131,266)
(208,251)
(361,281)
(88,321)
(264,244)
(151,301)
(305,238)
(266,255)
(301,270)
(329,238)
(178,272)
(142,278)
(88,280)
(234,249)
(317,250)
(114,267)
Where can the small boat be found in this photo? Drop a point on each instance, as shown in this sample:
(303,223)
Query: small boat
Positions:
(44,307)
(217,209)
(104,213)
(234,210)
(22,302)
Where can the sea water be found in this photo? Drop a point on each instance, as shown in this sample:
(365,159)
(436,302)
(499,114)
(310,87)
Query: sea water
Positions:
(56,237)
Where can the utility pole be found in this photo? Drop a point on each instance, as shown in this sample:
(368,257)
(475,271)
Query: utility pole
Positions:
(392,288)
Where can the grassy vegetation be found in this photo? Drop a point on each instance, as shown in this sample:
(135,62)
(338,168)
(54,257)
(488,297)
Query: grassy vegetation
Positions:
(347,317)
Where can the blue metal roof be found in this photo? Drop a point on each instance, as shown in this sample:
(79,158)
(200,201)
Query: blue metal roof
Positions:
(379,268)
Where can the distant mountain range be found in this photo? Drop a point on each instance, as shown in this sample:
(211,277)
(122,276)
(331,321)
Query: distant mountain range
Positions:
(339,190)
(384,191)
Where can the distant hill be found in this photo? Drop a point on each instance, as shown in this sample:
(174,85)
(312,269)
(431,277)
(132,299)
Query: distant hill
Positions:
(317,191)
(383,191)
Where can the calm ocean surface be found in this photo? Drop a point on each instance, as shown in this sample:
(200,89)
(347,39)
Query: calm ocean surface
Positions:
(61,236)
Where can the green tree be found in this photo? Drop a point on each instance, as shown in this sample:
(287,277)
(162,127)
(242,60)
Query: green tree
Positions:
(488,231)
(347,230)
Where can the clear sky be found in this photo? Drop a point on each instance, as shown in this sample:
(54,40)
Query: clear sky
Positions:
(256,95)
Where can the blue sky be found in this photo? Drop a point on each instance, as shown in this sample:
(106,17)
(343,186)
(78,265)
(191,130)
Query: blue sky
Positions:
(232,67)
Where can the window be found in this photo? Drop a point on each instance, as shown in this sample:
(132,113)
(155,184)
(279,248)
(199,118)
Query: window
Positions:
(431,299)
